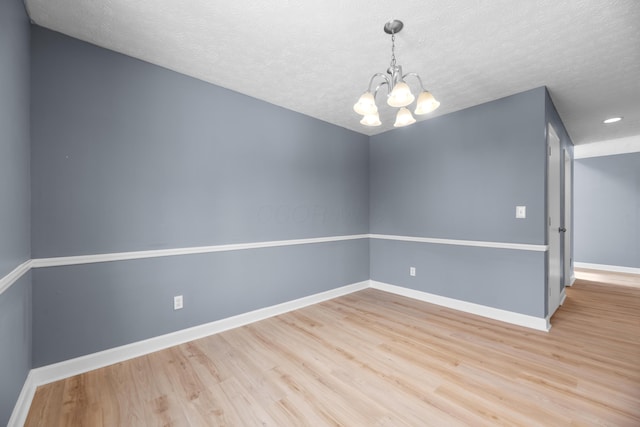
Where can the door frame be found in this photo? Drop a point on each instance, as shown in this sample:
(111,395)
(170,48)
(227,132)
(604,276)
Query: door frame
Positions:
(567,223)
(554,254)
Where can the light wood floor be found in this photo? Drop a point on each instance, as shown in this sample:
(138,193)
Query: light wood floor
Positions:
(375,359)
(623,279)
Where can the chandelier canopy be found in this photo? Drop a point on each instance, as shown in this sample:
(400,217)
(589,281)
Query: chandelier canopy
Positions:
(399,93)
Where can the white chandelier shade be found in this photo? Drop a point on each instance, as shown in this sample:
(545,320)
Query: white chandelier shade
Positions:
(400,96)
(426,103)
(366,105)
(371,120)
(399,93)
(404,118)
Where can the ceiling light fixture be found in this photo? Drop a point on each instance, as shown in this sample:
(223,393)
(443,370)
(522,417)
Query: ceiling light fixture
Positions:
(612,120)
(398,92)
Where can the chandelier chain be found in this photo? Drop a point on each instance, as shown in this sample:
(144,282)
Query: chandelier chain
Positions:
(393,49)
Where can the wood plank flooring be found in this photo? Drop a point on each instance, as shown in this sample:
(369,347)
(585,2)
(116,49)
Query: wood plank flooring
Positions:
(612,278)
(376,359)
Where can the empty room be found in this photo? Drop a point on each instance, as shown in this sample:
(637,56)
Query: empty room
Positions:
(330,213)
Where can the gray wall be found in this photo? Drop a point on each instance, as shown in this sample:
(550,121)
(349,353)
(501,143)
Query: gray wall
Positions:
(14,135)
(507,279)
(115,303)
(129,156)
(15,303)
(607,210)
(460,176)
(15,343)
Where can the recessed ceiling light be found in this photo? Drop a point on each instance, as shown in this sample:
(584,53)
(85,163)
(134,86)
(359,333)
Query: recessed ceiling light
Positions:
(612,120)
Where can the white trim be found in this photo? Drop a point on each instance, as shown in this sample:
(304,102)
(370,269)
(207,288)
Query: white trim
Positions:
(572,279)
(14,276)
(611,147)
(538,323)
(19,271)
(563,296)
(21,409)
(614,268)
(476,243)
(78,365)
(121,256)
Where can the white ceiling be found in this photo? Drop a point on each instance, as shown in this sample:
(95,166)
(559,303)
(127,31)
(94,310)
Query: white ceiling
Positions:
(316,56)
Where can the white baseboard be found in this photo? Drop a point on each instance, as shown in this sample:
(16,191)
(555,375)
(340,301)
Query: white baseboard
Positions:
(21,409)
(603,267)
(538,323)
(79,365)
(572,279)
(563,296)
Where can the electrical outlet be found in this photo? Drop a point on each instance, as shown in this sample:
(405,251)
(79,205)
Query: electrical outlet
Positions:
(412,271)
(178,302)
(521,212)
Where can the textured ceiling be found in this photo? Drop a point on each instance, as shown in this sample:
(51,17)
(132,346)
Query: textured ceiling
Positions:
(316,57)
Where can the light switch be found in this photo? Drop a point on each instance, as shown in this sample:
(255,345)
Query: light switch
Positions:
(178,302)
(521,211)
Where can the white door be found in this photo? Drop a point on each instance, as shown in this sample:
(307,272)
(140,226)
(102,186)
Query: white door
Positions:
(553,220)
(568,215)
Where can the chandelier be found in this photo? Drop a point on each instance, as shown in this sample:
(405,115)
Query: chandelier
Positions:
(398,92)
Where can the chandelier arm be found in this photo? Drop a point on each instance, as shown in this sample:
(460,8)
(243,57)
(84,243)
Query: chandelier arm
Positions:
(375,93)
(386,79)
(417,77)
